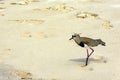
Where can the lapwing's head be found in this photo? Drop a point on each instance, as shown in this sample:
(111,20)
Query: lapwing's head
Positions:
(101,42)
(74,36)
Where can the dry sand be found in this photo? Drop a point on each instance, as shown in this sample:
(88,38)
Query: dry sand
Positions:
(34,39)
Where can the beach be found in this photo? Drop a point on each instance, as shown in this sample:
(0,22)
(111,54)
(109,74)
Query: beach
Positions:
(35,45)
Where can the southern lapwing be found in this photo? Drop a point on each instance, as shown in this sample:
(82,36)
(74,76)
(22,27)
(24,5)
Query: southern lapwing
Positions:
(87,43)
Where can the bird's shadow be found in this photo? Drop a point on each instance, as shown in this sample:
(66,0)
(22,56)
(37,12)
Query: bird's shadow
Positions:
(83,60)
(78,60)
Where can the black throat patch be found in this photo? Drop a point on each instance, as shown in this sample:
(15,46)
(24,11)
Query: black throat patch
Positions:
(81,44)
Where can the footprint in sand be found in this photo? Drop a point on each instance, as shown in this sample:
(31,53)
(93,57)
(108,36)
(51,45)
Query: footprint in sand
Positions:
(21,2)
(26,34)
(7,49)
(21,74)
(40,35)
(24,2)
(31,21)
(105,23)
(2,3)
(1,14)
(54,79)
(99,59)
(2,8)
(5,53)
(36,35)
(57,8)
(84,15)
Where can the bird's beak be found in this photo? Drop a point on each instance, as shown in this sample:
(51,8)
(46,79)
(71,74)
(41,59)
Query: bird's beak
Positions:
(103,43)
(71,38)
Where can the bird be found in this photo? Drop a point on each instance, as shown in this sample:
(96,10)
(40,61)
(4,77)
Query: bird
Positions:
(87,43)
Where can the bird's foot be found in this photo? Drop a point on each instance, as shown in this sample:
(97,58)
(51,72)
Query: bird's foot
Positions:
(84,67)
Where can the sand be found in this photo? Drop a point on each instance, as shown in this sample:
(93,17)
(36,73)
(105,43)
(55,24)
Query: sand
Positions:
(34,39)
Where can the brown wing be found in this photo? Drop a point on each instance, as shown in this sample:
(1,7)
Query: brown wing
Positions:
(86,41)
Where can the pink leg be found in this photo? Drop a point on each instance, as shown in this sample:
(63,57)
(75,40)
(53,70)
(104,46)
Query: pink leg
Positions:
(88,55)
(91,52)
(87,58)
